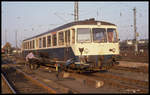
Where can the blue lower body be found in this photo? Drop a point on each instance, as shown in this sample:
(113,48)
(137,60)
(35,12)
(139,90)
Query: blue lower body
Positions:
(64,54)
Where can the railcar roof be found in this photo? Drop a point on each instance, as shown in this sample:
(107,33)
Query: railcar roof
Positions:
(84,22)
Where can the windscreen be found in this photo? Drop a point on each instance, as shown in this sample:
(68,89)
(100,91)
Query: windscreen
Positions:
(84,35)
(99,35)
(112,36)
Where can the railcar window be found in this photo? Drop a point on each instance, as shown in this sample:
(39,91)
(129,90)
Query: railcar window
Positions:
(30,44)
(67,36)
(27,45)
(99,35)
(23,45)
(33,43)
(44,42)
(84,34)
(37,43)
(112,37)
(61,38)
(54,39)
(48,41)
(40,43)
(73,36)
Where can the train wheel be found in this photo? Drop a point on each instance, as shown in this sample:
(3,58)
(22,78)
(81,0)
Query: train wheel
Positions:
(27,66)
(31,66)
(35,66)
(106,67)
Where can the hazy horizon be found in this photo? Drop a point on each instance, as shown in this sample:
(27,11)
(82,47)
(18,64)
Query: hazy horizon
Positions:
(32,18)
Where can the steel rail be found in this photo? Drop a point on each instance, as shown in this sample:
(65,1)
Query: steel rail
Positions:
(124,79)
(110,82)
(70,89)
(37,82)
(120,84)
(130,69)
(10,87)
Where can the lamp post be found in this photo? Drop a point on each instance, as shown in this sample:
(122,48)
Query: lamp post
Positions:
(76,12)
(135,33)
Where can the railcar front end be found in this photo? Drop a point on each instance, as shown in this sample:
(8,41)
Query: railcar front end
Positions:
(96,46)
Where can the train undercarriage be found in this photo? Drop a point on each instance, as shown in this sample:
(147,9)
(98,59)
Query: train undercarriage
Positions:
(84,64)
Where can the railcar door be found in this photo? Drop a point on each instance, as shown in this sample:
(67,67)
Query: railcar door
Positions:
(67,44)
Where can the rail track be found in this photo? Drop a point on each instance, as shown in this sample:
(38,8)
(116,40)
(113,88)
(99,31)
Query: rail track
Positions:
(7,84)
(69,89)
(124,83)
(120,82)
(130,81)
(22,83)
(61,88)
(143,70)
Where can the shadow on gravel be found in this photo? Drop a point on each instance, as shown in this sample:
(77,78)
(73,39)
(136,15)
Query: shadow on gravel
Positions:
(91,72)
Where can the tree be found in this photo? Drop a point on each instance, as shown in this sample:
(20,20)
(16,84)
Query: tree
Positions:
(7,48)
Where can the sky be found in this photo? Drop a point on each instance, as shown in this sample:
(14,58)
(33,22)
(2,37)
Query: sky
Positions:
(27,19)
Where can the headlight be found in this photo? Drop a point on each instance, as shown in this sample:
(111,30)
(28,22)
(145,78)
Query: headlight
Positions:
(113,50)
(86,50)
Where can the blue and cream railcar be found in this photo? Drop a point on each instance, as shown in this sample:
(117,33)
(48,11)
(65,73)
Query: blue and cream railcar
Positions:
(86,42)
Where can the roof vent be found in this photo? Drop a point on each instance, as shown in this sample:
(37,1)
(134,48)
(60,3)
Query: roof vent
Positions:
(91,19)
(98,23)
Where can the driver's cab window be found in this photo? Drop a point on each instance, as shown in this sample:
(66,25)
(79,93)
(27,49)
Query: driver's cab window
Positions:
(112,35)
(99,35)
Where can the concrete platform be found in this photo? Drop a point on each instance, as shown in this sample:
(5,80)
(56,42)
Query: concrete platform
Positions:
(93,83)
(132,64)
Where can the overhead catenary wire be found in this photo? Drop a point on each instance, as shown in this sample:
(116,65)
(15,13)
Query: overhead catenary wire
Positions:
(60,17)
